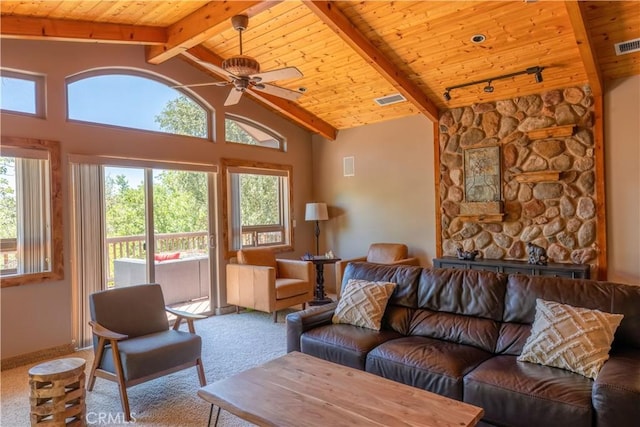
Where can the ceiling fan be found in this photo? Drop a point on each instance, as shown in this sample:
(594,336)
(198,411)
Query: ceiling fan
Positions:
(243,72)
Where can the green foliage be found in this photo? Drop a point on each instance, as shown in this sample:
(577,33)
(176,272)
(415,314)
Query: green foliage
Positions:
(259,200)
(124,207)
(184,117)
(8,212)
(180,204)
(233,132)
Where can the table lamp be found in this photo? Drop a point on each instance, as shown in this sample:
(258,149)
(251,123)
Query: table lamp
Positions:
(316,212)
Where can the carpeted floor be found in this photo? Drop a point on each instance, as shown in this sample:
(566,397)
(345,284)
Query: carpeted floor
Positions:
(231,343)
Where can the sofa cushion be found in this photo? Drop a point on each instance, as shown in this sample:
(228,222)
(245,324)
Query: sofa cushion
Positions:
(154,353)
(466,292)
(430,364)
(405,277)
(287,288)
(523,394)
(572,338)
(363,303)
(468,330)
(344,344)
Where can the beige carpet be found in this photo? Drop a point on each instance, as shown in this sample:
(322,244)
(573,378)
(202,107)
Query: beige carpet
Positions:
(231,343)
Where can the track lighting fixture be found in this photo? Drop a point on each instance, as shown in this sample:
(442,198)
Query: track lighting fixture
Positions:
(537,71)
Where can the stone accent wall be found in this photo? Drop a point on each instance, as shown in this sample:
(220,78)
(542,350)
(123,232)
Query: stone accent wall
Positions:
(559,215)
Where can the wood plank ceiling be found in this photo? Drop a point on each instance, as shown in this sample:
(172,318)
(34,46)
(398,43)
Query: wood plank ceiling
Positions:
(352,52)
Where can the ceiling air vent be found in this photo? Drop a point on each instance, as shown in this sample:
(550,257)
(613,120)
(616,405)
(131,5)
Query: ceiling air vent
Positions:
(390,99)
(629,46)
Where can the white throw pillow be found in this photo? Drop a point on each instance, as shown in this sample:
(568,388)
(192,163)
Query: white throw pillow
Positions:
(362,303)
(572,338)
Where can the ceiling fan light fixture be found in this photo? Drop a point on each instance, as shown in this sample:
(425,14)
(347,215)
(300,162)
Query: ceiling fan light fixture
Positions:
(488,88)
(241,65)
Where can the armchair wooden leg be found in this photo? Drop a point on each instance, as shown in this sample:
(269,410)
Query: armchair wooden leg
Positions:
(200,368)
(122,385)
(96,362)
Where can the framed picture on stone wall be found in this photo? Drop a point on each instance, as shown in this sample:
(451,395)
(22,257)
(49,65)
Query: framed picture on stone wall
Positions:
(482,174)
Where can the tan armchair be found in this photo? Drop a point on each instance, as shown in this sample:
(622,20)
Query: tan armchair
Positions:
(379,253)
(264,283)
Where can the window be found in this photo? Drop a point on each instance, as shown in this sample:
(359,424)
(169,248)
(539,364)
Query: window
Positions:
(258,205)
(22,93)
(30,211)
(136,101)
(239,130)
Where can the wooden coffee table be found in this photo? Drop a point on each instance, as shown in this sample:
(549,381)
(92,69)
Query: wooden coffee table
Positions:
(297,389)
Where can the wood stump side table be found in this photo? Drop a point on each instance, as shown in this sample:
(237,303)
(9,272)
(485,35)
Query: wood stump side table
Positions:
(58,393)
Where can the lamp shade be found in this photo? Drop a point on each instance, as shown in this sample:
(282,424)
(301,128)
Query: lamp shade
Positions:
(316,212)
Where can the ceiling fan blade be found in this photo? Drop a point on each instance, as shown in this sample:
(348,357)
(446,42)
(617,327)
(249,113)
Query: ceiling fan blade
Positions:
(281,92)
(279,74)
(203,84)
(233,98)
(216,69)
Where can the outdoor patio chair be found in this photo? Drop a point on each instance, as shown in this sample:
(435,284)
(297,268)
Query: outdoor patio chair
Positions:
(132,341)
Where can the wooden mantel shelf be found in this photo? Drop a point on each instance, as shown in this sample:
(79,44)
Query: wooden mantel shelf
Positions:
(551,132)
(539,176)
(485,218)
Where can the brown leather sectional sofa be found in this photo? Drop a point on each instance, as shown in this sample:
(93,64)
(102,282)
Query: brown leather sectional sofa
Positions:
(458,333)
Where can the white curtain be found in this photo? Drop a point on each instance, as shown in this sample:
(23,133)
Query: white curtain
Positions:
(33,208)
(88,243)
(235,214)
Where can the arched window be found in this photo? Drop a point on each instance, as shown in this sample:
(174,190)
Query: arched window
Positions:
(239,130)
(134,100)
(22,93)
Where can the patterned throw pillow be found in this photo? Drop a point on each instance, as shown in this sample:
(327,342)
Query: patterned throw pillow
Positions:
(572,338)
(362,303)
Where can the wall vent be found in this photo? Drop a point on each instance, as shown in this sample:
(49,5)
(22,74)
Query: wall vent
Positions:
(390,99)
(629,46)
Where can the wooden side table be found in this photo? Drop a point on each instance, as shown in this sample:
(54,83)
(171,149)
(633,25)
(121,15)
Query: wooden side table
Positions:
(319,261)
(58,393)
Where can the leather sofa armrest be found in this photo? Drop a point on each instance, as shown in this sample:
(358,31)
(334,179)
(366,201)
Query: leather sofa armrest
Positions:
(295,269)
(302,321)
(616,390)
(341,266)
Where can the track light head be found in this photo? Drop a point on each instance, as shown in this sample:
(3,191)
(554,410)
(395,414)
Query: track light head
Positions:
(488,88)
(539,77)
(447,95)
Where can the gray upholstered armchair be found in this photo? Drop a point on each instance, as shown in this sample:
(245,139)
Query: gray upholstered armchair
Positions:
(132,341)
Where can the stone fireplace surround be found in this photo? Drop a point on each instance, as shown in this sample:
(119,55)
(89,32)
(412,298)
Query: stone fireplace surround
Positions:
(557,213)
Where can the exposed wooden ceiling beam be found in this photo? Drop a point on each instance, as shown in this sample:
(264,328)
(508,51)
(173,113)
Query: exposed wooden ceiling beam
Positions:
(287,108)
(340,24)
(23,27)
(202,25)
(583,39)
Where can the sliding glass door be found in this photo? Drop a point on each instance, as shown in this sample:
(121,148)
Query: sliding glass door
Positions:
(137,224)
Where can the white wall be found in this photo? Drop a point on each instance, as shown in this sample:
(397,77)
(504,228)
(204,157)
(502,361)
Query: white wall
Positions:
(38,316)
(622,157)
(391,197)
